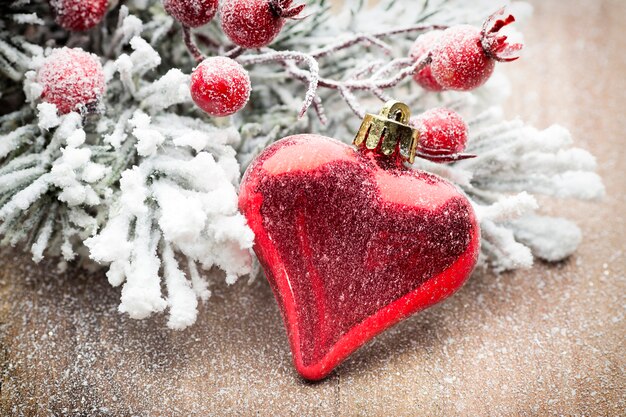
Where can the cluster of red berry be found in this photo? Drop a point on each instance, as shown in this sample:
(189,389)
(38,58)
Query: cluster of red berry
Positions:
(247,23)
(459,58)
(219,85)
(463,57)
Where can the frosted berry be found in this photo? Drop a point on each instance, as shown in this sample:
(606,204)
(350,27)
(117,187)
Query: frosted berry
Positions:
(220,86)
(443,134)
(72,79)
(192,13)
(255,23)
(464,56)
(424,44)
(78,15)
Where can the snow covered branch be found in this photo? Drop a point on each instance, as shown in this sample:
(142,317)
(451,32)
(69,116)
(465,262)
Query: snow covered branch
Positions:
(146,184)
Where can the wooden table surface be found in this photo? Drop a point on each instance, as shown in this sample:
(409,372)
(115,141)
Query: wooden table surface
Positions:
(549,340)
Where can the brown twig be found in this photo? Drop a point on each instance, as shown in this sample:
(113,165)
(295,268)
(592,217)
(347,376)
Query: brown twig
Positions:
(191,45)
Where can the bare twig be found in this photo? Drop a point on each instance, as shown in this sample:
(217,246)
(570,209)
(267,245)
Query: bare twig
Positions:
(235,52)
(285,57)
(359,38)
(352,102)
(191,45)
(319,109)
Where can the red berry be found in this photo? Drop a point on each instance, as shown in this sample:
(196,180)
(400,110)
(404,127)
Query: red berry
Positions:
(442,133)
(459,60)
(423,44)
(464,56)
(220,86)
(78,15)
(192,13)
(71,79)
(255,23)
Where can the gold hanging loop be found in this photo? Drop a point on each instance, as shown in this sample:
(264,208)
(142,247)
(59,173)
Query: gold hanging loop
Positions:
(389,131)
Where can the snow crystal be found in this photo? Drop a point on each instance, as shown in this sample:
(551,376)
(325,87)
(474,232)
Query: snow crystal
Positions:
(76,139)
(144,57)
(118,135)
(27,18)
(76,157)
(73,195)
(182,217)
(506,252)
(131,27)
(172,88)
(32,89)
(181,298)
(124,64)
(48,117)
(551,239)
(134,191)
(148,139)
(111,244)
(93,172)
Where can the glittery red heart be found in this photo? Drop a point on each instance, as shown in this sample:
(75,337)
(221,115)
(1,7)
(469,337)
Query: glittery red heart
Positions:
(352,243)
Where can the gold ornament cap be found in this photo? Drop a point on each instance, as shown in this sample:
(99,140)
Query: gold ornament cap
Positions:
(389,131)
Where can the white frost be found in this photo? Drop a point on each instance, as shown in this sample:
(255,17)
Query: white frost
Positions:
(48,117)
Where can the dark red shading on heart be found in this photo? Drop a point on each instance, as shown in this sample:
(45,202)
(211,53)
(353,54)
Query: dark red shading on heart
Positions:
(352,243)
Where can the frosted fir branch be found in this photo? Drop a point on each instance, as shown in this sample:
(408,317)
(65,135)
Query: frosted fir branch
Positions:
(196,216)
(147,186)
(513,157)
(551,239)
(182,299)
(15,55)
(502,250)
(508,208)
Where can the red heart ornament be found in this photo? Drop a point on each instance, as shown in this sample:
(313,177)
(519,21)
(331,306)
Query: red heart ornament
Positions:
(352,242)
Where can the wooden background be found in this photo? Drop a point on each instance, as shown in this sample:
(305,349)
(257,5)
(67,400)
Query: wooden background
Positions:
(549,340)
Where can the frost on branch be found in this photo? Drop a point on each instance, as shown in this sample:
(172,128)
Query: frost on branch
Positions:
(173,203)
(147,191)
(512,161)
(146,184)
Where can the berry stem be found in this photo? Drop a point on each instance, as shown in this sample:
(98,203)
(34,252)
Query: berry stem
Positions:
(352,102)
(235,52)
(319,110)
(191,45)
